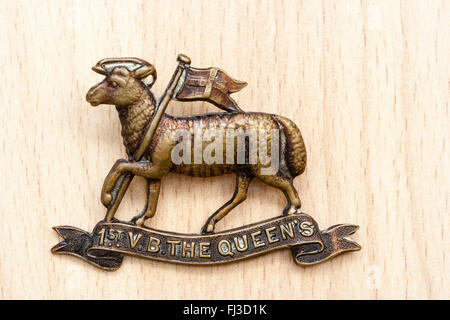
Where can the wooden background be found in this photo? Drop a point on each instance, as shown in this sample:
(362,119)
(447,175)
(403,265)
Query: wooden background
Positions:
(366,81)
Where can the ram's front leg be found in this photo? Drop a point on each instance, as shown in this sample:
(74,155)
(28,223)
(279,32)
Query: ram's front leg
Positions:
(141,168)
(110,182)
(149,211)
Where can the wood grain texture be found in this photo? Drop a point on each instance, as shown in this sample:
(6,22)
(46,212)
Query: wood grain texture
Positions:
(366,81)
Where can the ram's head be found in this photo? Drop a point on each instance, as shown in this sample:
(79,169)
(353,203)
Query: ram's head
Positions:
(123,83)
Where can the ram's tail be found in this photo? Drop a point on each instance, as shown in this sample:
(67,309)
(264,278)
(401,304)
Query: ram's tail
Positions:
(296,150)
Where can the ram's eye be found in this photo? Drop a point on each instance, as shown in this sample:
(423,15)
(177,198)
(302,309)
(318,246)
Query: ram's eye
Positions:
(114,84)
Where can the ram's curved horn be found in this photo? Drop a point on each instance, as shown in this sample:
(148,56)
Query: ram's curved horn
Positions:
(99,69)
(145,71)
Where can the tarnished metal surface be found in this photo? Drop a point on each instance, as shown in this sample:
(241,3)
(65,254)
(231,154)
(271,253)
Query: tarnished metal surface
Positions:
(137,107)
(248,144)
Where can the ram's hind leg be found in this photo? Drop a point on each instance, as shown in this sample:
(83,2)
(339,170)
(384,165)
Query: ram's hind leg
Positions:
(287,187)
(240,194)
(153,187)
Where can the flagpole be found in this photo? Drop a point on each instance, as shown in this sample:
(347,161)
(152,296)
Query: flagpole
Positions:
(125,180)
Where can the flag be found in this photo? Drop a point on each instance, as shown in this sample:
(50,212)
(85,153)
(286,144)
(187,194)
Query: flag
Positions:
(212,85)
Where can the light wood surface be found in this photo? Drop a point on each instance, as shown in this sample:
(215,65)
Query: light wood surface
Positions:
(366,81)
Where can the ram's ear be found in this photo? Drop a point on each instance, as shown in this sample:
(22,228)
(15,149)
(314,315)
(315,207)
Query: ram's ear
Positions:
(145,71)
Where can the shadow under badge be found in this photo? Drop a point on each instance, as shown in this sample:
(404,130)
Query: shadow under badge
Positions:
(251,145)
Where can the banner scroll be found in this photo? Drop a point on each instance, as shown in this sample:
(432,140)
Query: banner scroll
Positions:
(110,241)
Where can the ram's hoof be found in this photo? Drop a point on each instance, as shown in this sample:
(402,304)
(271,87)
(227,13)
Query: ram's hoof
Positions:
(106,199)
(140,222)
(208,229)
